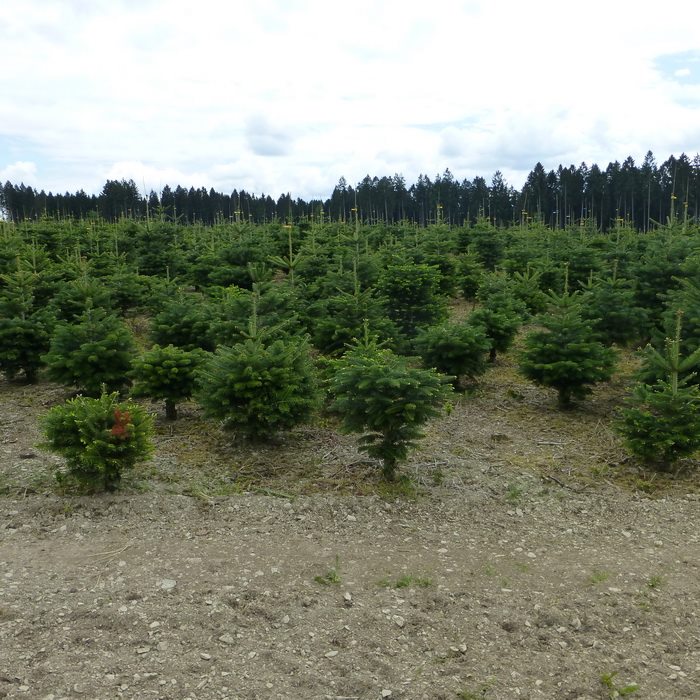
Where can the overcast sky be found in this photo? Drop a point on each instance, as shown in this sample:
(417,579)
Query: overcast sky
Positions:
(275,96)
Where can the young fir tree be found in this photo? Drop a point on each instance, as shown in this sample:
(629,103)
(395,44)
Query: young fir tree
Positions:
(500,314)
(95,351)
(166,373)
(685,299)
(377,392)
(337,321)
(456,349)
(76,296)
(99,437)
(260,386)
(565,354)
(187,322)
(609,304)
(412,294)
(661,422)
(470,274)
(24,329)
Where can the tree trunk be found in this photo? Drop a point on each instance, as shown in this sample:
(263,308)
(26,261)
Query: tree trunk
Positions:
(170,409)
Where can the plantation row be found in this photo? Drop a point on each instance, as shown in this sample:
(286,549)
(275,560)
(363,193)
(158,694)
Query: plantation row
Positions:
(266,325)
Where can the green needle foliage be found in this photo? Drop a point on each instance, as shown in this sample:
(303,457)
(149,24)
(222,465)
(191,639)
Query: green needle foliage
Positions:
(610,305)
(23,341)
(379,394)
(259,387)
(456,349)
(338,321)
(187,322)
(470,274)
(166,373)
(74,297)
(565,355)
(24,330)
(99,438)
(499,325)
(661,423)
(501,313)
(95,351)
(412,294)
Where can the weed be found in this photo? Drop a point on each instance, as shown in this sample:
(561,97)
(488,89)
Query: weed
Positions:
(645,485)
(598,576)
(489,569)
(514,493)
(402,487)
(408,581)
(477,693)
(332,576)
(615,691)
(655,581)
(405,581)
(600,470)
(438,477)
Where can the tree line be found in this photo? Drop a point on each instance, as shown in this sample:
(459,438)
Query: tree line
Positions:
(643,196)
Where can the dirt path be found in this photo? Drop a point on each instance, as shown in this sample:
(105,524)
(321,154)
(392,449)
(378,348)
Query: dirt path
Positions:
(530,565)
(167,597)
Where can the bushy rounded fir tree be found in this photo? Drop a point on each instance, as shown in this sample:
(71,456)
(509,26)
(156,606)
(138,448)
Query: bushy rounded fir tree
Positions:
(661,421)
(610,306)
(24,329)
(565,354)
(166,373)
(378,393)
(99,437)
(187,322)
(259,387)
(456,349)
(95,351)
(412,293)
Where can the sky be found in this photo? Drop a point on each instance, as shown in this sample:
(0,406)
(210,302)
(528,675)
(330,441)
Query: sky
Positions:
(277,96)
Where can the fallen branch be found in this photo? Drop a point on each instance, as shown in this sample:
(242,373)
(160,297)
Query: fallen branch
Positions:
(112,552)
(562,484)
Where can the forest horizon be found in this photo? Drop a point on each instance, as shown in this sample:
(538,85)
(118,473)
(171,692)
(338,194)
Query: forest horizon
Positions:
(642,196)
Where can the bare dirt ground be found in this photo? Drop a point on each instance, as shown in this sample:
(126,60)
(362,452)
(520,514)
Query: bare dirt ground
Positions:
(530,560)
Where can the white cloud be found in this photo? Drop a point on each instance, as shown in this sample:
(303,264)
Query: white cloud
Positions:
(278,96)
(21,171)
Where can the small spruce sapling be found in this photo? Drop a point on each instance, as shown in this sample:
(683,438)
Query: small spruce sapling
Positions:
(166,373)
(565,354)
(186,322)
(456,349)
(97,350)
(661,422)
(259,387)
(412,294)
(24,330)
(378,393)
(609,304)
(99,438)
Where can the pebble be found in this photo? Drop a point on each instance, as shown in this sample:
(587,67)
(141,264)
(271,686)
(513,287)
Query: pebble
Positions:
(205,656)
(167,584)
(330,654)
(386,693)
(227,639)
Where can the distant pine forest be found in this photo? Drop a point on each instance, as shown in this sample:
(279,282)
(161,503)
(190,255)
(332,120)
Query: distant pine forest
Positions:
(641,197)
